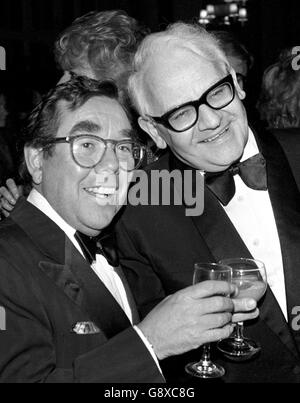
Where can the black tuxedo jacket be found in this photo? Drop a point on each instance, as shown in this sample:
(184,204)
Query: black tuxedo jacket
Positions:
(46,287)
(160,244)
(289,140)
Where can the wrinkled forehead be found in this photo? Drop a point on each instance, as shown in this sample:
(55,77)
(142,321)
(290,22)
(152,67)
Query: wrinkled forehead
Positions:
(179,74)
(102,112)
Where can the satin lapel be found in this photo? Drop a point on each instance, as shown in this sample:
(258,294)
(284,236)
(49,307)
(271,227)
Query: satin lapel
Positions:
(285,200)
(64,279)
(223,241)
(97,301)
(65,266)
(45,234)
(273,317)
(218,231)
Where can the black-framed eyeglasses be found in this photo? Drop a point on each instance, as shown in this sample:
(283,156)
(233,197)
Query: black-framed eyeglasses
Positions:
(185,116)
(88,150)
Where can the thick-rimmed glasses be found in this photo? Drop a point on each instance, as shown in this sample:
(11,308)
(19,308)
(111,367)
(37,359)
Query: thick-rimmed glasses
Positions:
(185,116)
(88,150)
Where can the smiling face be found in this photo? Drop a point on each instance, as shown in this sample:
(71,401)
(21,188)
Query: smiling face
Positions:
(178,76)
(86,198)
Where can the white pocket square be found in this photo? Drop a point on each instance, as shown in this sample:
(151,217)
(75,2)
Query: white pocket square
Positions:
(83,328)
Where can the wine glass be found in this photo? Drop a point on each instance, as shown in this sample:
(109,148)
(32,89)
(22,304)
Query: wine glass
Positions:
(251,279)
(205,368)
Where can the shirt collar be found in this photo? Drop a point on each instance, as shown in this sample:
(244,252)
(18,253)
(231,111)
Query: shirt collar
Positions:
(251,147)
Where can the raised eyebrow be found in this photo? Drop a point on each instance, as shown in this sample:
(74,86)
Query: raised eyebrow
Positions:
(86,126)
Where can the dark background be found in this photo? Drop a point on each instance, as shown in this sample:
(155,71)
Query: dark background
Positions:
(28,29)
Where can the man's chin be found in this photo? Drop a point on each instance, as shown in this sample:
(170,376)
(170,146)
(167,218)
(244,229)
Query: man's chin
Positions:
(97,224)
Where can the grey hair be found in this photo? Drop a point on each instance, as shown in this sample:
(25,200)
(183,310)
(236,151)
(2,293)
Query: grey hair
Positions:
(189,35)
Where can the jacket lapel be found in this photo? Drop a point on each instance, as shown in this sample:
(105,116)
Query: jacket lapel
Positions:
(223,241)
(64,279)
(70,272)
(97,301)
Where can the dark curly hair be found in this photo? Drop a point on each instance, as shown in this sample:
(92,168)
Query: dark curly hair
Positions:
(102,42)
(279,101)
(43,122)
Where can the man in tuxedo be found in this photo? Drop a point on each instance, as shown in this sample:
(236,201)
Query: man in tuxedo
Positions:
(189,100)
(97,45)
(69,313)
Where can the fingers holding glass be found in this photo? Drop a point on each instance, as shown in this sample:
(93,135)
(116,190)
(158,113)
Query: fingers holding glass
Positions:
(206,368)
(251,280)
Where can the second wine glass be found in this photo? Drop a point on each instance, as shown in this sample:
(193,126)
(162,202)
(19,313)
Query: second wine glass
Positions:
(250,277)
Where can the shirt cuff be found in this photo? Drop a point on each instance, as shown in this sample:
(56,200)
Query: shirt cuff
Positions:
(149,346)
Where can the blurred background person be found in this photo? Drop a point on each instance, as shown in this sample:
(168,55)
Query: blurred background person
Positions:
(242,62)
(279,101)
(279,104)
(238,56)
(99,45)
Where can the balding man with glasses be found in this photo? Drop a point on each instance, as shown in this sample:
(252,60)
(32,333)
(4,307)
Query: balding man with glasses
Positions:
(190,102)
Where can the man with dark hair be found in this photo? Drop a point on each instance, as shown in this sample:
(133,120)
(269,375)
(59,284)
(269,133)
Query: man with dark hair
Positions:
(69,312)
(98,45)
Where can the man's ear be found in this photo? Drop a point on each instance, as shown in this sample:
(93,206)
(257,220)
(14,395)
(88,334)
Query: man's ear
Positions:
(149,127)
(241,93)
(34,162)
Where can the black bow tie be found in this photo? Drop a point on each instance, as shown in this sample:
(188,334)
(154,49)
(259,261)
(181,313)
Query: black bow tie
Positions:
(101,245)
(252,172)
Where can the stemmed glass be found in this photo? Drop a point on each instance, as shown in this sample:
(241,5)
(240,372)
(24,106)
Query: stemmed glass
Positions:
(205,368)
(250,277)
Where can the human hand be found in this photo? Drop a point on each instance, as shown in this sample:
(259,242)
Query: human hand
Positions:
(189,318)
(244,309)
(9,196)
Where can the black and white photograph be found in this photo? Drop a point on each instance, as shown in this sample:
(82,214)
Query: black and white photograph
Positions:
(150,194)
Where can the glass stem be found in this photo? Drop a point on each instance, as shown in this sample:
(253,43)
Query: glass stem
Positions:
(239,333)
(206,354)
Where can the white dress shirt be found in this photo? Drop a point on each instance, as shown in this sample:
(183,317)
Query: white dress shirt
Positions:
(110,276)
(251,213)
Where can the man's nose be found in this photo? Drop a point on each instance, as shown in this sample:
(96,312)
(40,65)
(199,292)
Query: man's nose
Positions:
(208,119)
(109,160)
